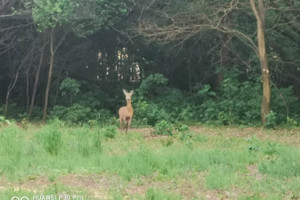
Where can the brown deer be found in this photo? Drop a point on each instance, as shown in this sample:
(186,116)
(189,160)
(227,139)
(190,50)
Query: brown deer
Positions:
(126,112)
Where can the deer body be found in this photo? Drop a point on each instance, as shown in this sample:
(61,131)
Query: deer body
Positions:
(126,112)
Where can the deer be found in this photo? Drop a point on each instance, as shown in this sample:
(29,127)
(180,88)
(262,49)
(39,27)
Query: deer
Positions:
(126,112)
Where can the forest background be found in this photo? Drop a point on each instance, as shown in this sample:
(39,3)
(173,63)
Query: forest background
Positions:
(224,62)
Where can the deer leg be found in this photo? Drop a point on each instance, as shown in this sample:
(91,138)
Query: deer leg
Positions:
(121,127)
(129,123)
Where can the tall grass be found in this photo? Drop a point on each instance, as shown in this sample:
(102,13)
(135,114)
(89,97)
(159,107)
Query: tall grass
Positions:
(53,150)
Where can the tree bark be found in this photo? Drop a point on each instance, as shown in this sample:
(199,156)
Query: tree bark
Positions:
(259,12)
(13,83)
(37,78)
(52,54)
(49,77)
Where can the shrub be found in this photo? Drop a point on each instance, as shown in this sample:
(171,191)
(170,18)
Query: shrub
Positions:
(109,132)
(150,113)
(150,84)
(50,136)
(166,142)
(163,128)
(183,130)
(271,120)
(79,114)
(69,87)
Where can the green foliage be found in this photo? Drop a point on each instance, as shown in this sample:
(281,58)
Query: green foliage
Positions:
(225,118)
(184,131)
(149,113)
(4,121)
(234,103)
(254,144)
(109,131)
(220,177)
(78,114)
(151,85)
(238,103)
(69,87)
(271,149)
(102,14)
(291,122)
(49,14)
(166,142)
(74,114)
(163,128)
(271,120)
(285,164)
(51,138)
(284,104)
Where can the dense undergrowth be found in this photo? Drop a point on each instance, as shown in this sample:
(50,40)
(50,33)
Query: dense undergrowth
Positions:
(235,102)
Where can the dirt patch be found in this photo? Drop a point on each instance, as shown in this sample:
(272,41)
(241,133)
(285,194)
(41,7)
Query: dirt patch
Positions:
(32,185)
(142,130)
(254,172)
(96,185)
(283,136)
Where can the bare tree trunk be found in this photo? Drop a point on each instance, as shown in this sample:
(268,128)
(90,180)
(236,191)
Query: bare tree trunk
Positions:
(57,88)
(49,77)
(27,90)
(52,54)
(190,74)
(9,89)
(37,78)
(259,12)
(12,85)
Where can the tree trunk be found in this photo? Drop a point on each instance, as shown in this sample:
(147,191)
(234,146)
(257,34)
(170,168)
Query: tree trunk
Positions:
(37,78)
(57,88)
(12,85)
(52,54)
(27,90)
(6,103)
(260,17)
(49,77)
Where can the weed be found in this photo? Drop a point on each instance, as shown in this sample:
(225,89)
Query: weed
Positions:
(166,142)
(220,176)
(163,128)
(287,163)
(254,144)
(50,136)
(271,120)
(109,131)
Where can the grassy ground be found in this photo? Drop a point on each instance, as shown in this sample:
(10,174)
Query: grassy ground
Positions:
(100,163)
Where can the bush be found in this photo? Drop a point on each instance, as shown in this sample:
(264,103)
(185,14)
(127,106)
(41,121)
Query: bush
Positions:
(163,128)
(50,137)
(150,113)
(150,84)
(183,130)
(271,120)
(78,114)
(109,132)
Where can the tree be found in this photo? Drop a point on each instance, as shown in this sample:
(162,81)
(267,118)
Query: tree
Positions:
(49,15)
(181,20)
(259,12)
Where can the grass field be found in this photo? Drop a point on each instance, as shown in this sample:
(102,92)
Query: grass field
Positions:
(51,161)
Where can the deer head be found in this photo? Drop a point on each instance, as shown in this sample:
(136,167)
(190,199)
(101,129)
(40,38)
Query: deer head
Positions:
(128,94)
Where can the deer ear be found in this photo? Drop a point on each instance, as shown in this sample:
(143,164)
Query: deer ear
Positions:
(124,91)
(131,92)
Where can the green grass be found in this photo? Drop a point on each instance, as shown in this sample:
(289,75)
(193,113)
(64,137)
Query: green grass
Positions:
(197,162)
